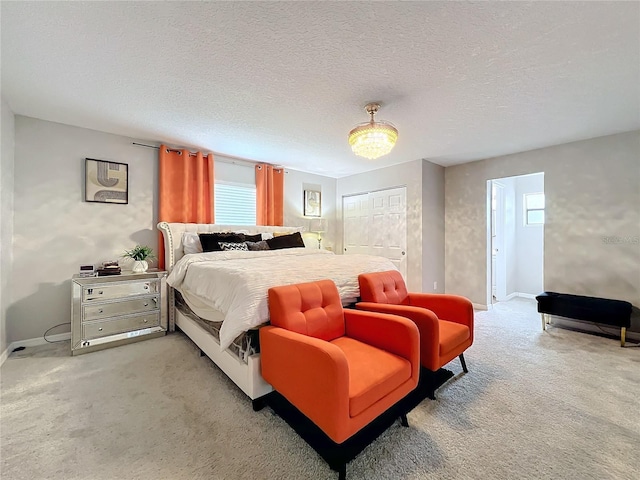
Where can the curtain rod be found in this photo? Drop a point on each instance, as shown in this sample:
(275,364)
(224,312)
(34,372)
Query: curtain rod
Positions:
(225,159)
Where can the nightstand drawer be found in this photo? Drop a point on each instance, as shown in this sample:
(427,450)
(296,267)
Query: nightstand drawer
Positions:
(119,325)
(104,310)
(118,290)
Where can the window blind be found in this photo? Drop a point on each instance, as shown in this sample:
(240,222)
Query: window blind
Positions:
(235,204)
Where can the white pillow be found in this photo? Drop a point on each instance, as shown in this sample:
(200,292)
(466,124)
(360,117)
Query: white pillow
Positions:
(267,235)
(226,246)
(191,243)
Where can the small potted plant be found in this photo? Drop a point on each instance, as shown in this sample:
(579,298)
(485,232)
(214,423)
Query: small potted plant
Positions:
(139,255)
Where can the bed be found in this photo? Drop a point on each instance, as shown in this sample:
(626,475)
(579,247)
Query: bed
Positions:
(219,299)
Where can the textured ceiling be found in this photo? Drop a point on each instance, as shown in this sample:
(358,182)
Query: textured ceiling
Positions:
(284,82)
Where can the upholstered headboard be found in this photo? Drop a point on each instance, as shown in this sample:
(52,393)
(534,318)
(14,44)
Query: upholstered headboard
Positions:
(172,233)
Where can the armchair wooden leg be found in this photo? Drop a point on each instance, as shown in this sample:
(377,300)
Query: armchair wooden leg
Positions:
(403,420)
(464,364)
(623,335)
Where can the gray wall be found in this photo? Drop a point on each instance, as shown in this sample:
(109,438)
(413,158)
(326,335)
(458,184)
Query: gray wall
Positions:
(529,254)
(55,230)
(592,225)
(432,227)
(7,140)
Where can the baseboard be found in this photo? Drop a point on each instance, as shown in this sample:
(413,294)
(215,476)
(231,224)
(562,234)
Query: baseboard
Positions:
(479,306)
(6,353)
(526,295)
(33,342)
(518,294)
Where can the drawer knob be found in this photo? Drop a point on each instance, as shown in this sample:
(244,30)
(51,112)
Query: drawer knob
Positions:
(100,329)
(145,320)
(100,311)
(100,292)
(146,304)
(146,287)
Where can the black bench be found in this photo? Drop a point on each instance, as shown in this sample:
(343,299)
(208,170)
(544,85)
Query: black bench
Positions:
(590,309)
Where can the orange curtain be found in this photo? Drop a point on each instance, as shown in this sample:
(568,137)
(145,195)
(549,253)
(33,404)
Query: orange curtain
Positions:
(269,195)
(186,189)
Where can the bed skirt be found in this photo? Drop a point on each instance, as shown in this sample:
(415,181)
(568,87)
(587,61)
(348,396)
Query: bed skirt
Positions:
(245,345)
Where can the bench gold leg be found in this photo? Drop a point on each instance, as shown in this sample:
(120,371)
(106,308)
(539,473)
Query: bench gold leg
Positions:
(623,334)
(544,322)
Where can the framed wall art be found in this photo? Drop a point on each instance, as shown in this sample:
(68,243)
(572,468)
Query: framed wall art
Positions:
(312,203)
(106,182)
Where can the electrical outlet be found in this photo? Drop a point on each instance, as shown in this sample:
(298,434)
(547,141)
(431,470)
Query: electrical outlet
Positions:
(435,286)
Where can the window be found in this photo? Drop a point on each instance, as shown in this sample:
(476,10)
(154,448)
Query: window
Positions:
(235,204)
(534,208)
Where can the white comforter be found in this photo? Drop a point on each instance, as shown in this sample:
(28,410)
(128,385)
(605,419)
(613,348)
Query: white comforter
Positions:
(236,282)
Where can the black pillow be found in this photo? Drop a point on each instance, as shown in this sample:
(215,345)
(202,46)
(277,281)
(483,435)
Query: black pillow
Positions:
(286,241)
(257,246)
(253,238)
(210,241)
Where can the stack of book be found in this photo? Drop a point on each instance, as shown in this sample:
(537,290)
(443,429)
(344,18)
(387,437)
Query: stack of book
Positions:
(109,268)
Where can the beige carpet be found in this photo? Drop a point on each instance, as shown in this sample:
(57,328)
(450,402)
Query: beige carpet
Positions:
(556,405)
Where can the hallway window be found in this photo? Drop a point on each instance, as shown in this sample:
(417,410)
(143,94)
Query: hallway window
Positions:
(534,208)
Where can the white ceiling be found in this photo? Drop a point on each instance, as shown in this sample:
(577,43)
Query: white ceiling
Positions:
(284,82)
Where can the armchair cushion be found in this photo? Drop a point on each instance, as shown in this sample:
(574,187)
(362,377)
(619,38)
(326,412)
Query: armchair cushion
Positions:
(452,335)
(373,373)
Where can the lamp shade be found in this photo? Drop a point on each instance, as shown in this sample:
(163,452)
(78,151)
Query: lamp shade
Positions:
(318,225)
(373,139)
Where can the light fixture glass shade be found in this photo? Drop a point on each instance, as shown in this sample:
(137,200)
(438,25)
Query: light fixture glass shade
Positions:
(373,139)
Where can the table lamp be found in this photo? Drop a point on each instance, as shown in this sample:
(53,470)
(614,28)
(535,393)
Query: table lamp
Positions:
(318,226)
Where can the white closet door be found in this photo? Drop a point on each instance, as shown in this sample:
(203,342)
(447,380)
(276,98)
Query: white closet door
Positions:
(355,219)
(376,224)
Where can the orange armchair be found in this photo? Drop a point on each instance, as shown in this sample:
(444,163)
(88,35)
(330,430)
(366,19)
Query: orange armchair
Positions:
(340,368)
(445,321)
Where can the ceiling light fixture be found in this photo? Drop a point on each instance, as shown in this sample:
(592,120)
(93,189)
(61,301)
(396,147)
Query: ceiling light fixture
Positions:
(373,139)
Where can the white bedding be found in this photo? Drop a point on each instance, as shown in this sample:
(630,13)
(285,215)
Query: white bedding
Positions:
(236,282)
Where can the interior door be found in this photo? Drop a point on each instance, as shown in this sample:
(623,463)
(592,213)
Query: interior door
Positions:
(355,212)
(376,224)
(498,258)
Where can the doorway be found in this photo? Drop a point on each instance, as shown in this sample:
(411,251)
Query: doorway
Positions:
(375,223)
(515,237)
